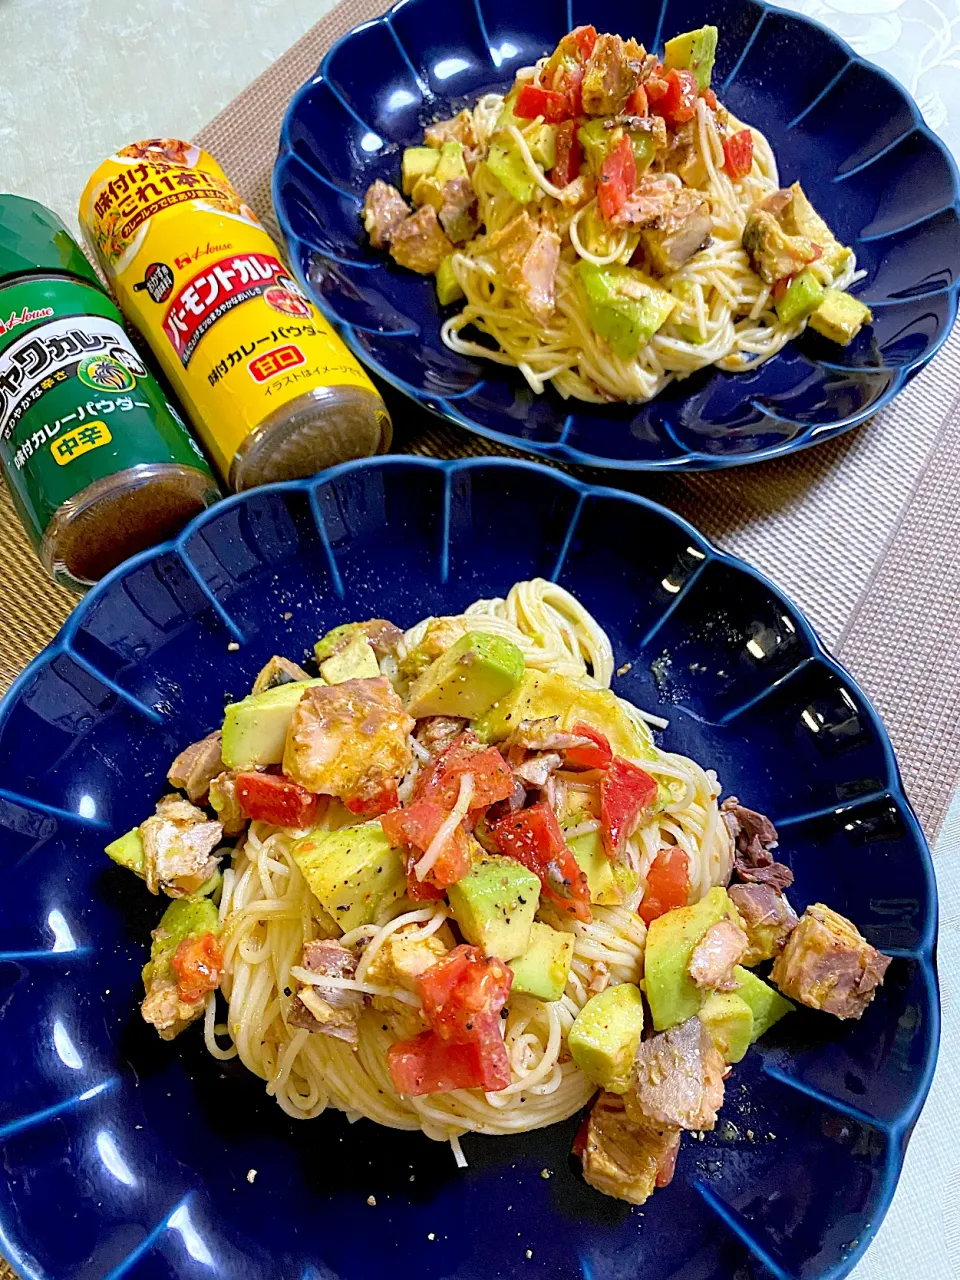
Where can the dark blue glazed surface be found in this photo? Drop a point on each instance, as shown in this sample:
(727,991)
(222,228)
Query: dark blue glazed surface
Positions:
(849,132)
(124,1156)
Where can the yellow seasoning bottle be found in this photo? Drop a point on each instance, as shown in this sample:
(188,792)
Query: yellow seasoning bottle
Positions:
(271,390)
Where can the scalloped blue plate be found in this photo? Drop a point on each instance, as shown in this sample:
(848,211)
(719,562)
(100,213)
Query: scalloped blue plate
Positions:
(883,181)
(126,1156)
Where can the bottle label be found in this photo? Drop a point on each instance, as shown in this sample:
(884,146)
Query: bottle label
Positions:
(202,280)
(77,403)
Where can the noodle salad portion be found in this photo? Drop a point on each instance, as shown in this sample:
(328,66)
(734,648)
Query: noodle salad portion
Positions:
(450,883)
(610,226)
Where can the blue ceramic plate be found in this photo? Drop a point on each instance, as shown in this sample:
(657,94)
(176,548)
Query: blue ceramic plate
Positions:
(884,182)
(125,1156)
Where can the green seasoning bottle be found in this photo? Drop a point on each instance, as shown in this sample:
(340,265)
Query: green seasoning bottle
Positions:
(97,461)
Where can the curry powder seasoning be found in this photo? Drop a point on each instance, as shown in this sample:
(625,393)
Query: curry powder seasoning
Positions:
(97,460)
(270,388)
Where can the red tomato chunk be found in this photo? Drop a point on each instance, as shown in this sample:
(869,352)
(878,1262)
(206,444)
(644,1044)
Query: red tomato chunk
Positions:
(738,154)
(595,756)
(626,793)
(668,884)
(427,1064)
(266,797)
(618,177)
(533,837)
(532,102)
(198,962)
(463,992)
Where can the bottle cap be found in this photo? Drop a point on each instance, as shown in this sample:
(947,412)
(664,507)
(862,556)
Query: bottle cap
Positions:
(33,239)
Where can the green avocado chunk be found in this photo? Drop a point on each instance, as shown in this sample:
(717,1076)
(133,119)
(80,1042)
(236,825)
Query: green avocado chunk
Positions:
(541,694)
(694,51)
(544,967)
(417,163)
(184,918)
(127,851)
(672,994)
(768,1006)
(448,286)
(474,673)
(729,1019)
(624,306)
(605,1037)
(452,164)
(494,905)
(353,661)
(840,317)
(597,867)
(803,295)
(507,165)
(354,872)
(255,729)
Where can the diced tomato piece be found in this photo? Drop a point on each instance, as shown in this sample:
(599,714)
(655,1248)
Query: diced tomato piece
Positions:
(417,825)
(266,797)
(463,993)
(568,80)
(533,101)
(375,806)
(595,756)
(569,155)
(677,103)
(780,287)
(637,104)
(198,963)
(668,884)
(655,86)
(667,1164)
(580,1141)
(618,177)
(533,837)
(584,38)
(427,1064)
(626,793)
(492,779)
(421,890)
(710,98)
(738,154)
(817,253)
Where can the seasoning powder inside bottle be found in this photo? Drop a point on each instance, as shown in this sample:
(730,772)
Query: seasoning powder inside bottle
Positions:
(97,461)
(272,391)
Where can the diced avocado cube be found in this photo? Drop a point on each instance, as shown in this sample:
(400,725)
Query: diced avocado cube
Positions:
(671,938)
(184,918)
(605,1037)
(355,661)
(255,729)
(494,905)
(354,872)
(418,162)
(544,967)
(428,191)
(127,851)
(624,307)
(507,165)
(333,641)
(506,116)
(840,317)
(729,1019)
(474,673)
(766,1005)
(693,51)
(545,693)
(448,286)
(597,867)
(644,150)
(597,142)
(803,294)
(543,145)
(452,164)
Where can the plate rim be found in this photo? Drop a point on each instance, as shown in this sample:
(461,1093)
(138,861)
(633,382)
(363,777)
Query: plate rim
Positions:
(898,1130)
(691,459)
